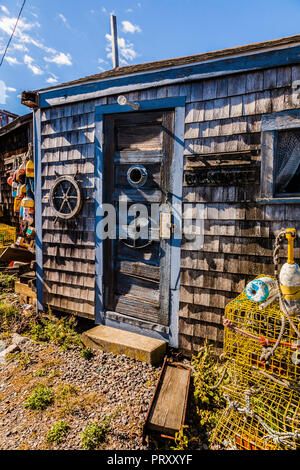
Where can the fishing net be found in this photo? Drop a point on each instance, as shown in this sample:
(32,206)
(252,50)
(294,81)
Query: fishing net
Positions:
(251,332)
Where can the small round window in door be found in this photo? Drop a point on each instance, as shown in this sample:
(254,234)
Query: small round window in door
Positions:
(137,176)
(65,197)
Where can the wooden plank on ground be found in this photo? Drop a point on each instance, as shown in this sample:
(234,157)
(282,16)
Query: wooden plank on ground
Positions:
(167,412)
(24,290)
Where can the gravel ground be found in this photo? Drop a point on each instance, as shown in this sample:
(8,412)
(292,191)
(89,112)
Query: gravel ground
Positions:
(104,385)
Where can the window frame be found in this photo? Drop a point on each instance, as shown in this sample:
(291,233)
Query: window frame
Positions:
(270,126)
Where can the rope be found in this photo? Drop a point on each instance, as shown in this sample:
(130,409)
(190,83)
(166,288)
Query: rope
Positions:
(282,383)
(213,387)
(277,437)
(261,339)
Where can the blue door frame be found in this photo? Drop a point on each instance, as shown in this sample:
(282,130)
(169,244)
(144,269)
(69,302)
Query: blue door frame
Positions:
(118,321)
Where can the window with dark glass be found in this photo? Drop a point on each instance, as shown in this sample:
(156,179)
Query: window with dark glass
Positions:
(287,163)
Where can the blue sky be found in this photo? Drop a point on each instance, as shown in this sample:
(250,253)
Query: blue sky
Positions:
(58,41)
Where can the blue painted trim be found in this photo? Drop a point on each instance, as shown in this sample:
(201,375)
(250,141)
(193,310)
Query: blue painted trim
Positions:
(178,104)
(281,120)
(164,103)
(176,190)
(274,58)
(98,204)
(38,209)
(280,200)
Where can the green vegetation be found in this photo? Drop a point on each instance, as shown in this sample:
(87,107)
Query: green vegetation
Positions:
(7,281)
(209,401)
(57,432)
(40,373)
(181,440)
(86,353)
(9,314)
(58,331)
(95,434)
(40,398)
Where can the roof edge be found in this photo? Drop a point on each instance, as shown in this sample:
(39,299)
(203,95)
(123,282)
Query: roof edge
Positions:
(185,60)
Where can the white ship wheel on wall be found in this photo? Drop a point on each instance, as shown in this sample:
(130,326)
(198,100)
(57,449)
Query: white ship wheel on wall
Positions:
(65,197)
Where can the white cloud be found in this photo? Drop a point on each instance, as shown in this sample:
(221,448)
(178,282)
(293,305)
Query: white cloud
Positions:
(64,20)
(128,27)
(126,49)
(7,25)
(4,9)
(12,60)
(60,59)
(129,10)
(4,89)
(139,4)
(35,69)
(20,47)
(51,80)
(26,38)
(103,9)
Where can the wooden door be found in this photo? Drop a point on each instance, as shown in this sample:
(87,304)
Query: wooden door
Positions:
(136,277)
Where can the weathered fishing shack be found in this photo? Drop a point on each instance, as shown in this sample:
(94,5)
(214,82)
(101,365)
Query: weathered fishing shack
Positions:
(219,132)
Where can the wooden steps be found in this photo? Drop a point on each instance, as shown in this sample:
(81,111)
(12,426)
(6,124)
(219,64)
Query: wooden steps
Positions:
(117,341)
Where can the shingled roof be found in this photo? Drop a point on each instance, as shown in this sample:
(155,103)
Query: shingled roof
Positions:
(165,64)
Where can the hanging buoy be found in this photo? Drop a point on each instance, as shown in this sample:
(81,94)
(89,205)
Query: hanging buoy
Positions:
(261,289)
(10,179)
(28,209)
(14,189)
(29,169)
(20,174)
(17,204)
(23,190)
(289,276)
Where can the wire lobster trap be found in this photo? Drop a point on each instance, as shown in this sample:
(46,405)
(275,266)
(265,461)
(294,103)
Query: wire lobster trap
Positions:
(251,334)
(234,431)
(274,407)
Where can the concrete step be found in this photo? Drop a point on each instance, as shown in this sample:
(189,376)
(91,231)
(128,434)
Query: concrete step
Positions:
(120,342)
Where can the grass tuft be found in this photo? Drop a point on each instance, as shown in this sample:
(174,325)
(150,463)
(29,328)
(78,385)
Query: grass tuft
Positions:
(94,434)
(40,398)
(57,432)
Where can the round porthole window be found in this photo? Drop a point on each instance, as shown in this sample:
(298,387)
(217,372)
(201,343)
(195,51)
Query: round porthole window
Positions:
(137,176)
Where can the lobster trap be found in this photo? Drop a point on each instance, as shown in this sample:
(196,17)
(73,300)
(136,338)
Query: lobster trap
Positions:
(237,432)
(7,235)
(251,332)
(274,407)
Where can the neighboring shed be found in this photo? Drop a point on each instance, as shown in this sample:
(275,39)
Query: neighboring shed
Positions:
(15,139)
(215,130)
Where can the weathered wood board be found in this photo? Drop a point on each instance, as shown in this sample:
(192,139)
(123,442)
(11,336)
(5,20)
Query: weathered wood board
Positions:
(167,411)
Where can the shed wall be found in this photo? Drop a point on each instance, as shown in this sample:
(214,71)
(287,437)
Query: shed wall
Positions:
(222,129)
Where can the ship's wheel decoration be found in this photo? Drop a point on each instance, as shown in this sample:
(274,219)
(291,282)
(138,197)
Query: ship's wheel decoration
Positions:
(137,244)
(133,241)
(66,197)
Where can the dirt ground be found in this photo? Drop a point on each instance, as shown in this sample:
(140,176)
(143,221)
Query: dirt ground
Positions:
(85,391)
